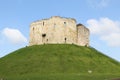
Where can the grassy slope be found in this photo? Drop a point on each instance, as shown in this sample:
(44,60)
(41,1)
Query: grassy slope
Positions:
(62,62)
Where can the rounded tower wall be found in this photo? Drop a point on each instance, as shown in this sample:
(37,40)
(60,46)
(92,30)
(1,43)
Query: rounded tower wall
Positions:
(53,30)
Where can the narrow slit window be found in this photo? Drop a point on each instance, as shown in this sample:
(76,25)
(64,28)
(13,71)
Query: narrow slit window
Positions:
(43,23)
(47,40)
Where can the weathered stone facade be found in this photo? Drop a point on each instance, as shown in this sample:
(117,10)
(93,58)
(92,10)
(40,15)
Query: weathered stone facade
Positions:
(58,30)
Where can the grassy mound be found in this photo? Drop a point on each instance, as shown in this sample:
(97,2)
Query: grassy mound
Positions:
(58,62)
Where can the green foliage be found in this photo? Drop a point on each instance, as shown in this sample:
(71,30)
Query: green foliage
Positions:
(58,62)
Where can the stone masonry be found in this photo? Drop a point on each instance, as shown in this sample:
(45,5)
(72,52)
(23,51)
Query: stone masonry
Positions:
(58,30)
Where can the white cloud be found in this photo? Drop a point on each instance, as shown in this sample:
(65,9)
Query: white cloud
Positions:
(98,3)
(14,36)
(113,39)
(108,30)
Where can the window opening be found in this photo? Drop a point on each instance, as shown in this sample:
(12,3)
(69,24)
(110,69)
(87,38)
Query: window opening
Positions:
(54,25)
(43,35)
(64,22)
(43,23)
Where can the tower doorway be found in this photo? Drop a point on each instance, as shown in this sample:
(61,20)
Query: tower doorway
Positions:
(65,39)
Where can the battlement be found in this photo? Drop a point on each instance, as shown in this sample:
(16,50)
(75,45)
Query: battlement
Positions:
(58,30)
(53,18)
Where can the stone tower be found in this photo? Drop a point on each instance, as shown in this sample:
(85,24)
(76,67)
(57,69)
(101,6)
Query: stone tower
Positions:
(58,30)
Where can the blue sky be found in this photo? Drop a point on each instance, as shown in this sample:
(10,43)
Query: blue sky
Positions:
(100,16)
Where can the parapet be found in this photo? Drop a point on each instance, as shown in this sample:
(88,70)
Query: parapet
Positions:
(54,17)
(81,25)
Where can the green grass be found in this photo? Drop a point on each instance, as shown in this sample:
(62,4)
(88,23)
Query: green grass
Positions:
(58,62)
(65,77)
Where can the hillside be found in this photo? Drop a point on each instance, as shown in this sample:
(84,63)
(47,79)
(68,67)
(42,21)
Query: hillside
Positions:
(58,62)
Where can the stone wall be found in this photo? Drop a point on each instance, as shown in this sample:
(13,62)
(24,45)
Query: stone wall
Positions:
(57,30)
(83,35)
